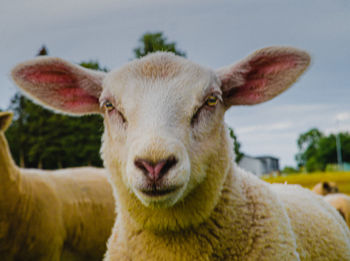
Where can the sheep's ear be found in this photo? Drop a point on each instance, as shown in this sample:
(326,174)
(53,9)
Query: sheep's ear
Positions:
(5,120)
(262,75)
(60,85)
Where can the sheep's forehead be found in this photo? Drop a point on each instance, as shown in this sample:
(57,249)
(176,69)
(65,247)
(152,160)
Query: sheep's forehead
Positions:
(160,76)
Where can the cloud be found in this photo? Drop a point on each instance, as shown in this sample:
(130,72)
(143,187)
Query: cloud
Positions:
(343,116)
(337,129)
(278,126)
(341,124)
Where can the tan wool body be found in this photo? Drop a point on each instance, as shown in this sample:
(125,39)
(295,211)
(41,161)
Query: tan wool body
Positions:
(331,194)
(179,194)
(52,215)
(340,202)
(320,232)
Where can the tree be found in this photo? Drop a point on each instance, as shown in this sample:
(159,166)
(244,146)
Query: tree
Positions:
(43,51)
(317,150)
(327,153)
(236,146)
(308,145)
(94,65)
(28,121)
(152,42)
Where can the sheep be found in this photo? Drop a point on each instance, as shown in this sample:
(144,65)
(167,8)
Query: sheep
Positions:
(52,215)
(179,194)
(330,192)
(325,187)
(341,202)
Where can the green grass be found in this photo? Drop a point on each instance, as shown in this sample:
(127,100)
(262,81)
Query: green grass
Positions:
(309,180)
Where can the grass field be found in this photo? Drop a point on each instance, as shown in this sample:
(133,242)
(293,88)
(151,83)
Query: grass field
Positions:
(309,180)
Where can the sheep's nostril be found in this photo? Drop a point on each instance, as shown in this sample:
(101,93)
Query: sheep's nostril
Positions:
(155,171)
(168,164)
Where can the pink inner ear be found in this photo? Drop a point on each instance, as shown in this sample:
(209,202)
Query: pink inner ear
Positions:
(277,67)
(251,92)
(261,70)
(73,98)
(254,85)
(47,74)
(68,93)
(76,97)
(266,65)
(60,85)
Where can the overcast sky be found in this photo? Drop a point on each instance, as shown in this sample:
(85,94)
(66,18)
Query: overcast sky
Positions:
(212,33)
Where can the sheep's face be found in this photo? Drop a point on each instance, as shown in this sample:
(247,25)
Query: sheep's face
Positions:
(164,144)
(162,126)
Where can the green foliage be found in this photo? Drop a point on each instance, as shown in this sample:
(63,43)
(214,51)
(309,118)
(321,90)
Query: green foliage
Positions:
(39,138)
(328,152)
(43,51)
(317,150)
(152,42)
(307,145)
(94,65)
(236,145)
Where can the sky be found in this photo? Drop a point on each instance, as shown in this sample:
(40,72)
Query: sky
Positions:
(212,33)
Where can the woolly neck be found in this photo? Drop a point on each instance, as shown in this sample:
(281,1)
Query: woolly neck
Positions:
(227,222)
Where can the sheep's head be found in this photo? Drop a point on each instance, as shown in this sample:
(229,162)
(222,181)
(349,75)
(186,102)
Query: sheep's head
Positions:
(325,187)
(164,126)
(165,143)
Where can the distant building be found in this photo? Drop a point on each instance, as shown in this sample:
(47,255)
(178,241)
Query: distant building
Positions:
(260,165)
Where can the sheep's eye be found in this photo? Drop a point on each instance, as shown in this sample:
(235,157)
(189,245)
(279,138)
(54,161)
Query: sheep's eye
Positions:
(108,106)
(212,101)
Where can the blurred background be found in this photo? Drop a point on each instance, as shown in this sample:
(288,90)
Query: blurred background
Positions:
(304,130)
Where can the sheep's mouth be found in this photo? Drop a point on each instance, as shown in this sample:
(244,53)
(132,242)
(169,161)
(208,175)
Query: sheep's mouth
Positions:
(155,191)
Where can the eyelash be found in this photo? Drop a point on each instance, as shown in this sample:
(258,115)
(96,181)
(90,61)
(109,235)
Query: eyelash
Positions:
(109,107)
(209,104)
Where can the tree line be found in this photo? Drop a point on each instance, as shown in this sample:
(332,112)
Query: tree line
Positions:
(316,150)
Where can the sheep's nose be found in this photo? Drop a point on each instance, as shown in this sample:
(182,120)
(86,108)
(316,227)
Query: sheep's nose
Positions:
(154,171)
